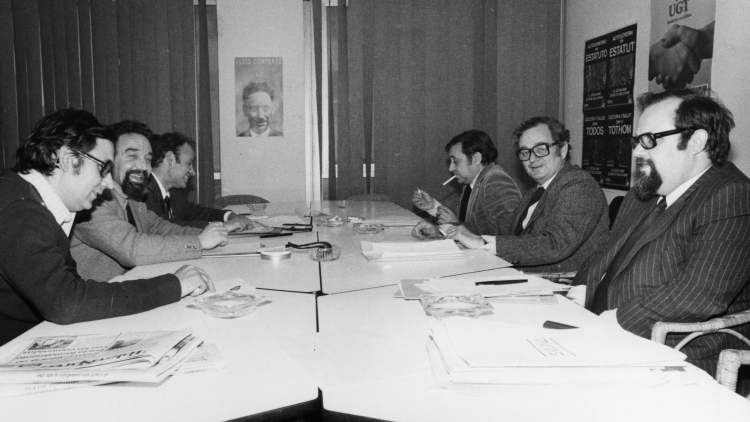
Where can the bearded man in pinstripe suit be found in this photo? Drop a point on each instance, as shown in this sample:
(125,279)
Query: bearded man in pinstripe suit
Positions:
(691,261)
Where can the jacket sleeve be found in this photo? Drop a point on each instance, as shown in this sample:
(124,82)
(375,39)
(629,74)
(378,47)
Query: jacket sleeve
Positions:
(500,197)
(40,269)
(571,216)
(158,241)
(196,215)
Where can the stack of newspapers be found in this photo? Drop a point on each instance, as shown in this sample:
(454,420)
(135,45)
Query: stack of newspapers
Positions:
(62,362)
(468,353)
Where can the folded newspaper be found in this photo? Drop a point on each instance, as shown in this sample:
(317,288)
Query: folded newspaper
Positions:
(61,362)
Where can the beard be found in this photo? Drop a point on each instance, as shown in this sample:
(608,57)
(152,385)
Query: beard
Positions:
(133,189)
(646,185)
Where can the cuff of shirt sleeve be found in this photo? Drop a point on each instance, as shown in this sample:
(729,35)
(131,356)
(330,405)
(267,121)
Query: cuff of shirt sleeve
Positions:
(433,211)
(490,246)
(226,215)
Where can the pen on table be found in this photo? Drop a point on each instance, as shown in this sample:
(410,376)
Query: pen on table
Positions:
(276,235)
(557,325)
(500,282)
(449,180)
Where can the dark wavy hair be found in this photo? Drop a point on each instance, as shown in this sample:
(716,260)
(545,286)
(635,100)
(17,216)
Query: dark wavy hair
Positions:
(254,87)
(556,129)
(131,126)
(703,110)
(171,141)
(73,128)
(473,141)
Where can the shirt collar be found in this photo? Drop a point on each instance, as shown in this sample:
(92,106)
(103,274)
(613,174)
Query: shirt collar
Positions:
(474,182)
(261,135)
(677,193)
(51,200)
(164,192)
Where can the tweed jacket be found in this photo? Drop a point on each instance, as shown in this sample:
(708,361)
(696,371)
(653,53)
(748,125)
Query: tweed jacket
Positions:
(186,213)
(105,245)
(693,265)
(494,198)
(38,276)
(568,225)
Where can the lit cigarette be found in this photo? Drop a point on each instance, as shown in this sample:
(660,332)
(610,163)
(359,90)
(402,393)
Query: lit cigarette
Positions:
(449,180)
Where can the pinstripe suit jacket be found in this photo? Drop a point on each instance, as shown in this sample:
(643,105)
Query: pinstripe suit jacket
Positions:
(569,224)
(494,198)
(693,265)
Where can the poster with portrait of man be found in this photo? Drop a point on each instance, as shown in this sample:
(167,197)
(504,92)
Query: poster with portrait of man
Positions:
(682,44)
(259,97)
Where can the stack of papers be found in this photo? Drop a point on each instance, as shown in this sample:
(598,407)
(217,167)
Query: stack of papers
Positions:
(394,221)
(466,352)
(411,251)
(64,362)
(486,286)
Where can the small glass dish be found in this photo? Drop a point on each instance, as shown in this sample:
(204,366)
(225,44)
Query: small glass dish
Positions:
(331,222)
(325,254)
(368,228)
(257,209)
(230,304)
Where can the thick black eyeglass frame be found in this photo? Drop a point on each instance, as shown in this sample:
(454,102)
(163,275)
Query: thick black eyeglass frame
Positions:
(105,168)
(648,139)
(543,151)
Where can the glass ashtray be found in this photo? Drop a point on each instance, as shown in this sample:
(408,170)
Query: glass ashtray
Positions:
(368,228)
(440,306)
(325,254)
(336,221)
(257,209)
(230,304)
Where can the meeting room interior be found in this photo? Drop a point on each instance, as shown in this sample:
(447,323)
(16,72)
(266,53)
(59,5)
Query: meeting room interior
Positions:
(374,210)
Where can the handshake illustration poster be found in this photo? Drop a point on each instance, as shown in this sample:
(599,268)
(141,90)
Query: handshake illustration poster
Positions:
(682,44)
(608,102)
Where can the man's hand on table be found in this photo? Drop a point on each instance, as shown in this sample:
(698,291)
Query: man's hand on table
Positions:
(425,230)
(193,281)
(238,223)
(466,237)
(215,234)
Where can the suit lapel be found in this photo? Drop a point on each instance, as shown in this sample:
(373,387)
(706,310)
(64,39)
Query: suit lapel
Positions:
(549,191)
(473,198)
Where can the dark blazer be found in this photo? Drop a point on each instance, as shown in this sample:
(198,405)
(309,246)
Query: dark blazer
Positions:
(693,265)
(494,198)
(186,213)
(569,224)
(38,277)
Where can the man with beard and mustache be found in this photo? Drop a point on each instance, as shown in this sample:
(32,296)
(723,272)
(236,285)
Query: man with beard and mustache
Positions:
(172,168)
(680,249)
(120,233)
(559,223)
(258,106)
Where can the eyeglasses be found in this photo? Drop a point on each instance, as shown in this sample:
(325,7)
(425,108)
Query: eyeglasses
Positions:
(541,150)
(105,168)
(648,139)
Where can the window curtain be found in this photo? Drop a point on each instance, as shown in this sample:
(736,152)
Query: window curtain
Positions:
(119,59)
(408,75)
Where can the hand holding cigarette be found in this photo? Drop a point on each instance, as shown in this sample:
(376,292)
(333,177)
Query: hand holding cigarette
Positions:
(422,200)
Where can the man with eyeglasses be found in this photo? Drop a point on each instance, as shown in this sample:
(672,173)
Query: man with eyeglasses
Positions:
(259,108)
(120,233)
(62,167)
(680,250)
(559,223)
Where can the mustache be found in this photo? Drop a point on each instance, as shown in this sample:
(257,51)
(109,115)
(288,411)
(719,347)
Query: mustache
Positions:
(258,120)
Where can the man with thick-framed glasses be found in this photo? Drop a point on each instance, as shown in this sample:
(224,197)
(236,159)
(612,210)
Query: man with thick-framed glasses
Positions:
(561,221)
(63,165)
(680,250)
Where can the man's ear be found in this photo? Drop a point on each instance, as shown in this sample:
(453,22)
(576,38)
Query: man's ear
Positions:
(564,150)
(67,161)
(170,158)
(697,142)
(476,158)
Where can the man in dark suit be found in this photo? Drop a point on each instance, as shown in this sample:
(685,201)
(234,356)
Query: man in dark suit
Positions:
(680,249)
(171,170)
(489,198)
(558,224)
(62,167)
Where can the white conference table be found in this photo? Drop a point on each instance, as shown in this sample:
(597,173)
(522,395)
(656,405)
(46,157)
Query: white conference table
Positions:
(375,366)
(368,358)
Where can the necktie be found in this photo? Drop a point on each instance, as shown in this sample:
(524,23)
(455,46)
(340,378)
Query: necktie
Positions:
(534,199)
(600,302)
(464,204)
(168,209)
(131,219)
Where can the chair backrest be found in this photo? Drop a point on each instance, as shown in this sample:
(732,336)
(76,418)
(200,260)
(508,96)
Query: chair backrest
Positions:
(614,208)
(379,197)
(238,200)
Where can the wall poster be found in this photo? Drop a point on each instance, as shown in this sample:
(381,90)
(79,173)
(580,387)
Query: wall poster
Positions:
(259,96)
(608,103)
(682,44)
